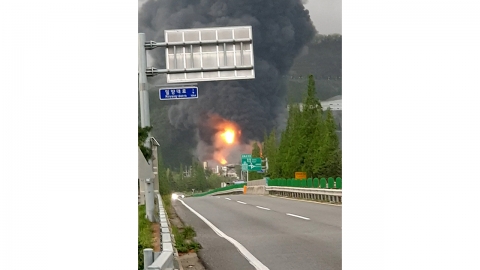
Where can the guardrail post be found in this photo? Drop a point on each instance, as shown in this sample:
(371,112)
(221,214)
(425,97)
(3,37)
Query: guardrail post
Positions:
(147,258)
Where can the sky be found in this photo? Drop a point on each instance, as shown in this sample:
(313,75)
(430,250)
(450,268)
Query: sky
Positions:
(325,14)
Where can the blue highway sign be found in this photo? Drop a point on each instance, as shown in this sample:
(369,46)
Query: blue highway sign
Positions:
(178,93)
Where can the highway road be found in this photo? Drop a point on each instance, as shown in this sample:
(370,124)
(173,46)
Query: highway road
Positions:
(264,232)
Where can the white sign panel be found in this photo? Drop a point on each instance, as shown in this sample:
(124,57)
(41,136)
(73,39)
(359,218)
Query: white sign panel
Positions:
(209,54)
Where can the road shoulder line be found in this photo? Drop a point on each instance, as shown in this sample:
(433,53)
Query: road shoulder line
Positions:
(251,259)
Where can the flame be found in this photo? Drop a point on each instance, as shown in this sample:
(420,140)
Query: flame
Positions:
(228,136)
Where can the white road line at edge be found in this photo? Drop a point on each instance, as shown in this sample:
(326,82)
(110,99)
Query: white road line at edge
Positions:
(298,216)
(241,202)
(228,199)
(263,208)
(250,258)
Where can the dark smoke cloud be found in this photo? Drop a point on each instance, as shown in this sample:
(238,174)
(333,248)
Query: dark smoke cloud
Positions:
(281,29)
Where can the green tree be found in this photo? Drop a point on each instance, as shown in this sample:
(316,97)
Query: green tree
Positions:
(198,175)
(256,153)
(171,181)
(315,163)
(286,143)
(293,143)
(309,142)
(142,138)
(163,182)
(312,129)
(331,153)
(180,181)
(270,152)
(214,181)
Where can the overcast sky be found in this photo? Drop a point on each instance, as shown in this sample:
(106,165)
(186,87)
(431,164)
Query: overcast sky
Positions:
(326,15)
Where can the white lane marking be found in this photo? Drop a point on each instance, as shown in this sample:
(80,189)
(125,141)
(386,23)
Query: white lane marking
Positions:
(250,258)
(228,199)
(263,208)
(298,216)
(241,202)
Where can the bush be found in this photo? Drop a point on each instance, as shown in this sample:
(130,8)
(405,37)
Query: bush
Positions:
(166,200)
(184,241)
(189,232)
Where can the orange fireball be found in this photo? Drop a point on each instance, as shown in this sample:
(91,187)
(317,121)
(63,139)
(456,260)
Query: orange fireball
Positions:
(228,136)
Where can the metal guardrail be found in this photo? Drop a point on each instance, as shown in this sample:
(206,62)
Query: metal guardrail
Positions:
(320,194)
(163,260)
(331,195)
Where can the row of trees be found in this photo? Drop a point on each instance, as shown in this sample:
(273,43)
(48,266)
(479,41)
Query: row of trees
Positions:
(308,144)
(186,179)
(194,177)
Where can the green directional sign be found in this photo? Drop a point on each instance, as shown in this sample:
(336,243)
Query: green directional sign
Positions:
(251,164)
(245,157)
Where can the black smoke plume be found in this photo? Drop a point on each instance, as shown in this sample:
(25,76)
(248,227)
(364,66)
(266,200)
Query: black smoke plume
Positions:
(281,29)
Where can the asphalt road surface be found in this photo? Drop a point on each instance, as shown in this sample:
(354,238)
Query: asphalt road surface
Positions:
(275,233)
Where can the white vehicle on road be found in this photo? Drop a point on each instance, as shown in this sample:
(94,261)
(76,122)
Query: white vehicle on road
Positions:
(177,195)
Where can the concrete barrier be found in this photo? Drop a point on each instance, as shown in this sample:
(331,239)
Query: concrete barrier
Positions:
(261,182)
(256,190)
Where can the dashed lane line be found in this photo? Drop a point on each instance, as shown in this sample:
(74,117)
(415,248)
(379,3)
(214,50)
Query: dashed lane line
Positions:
(297,216)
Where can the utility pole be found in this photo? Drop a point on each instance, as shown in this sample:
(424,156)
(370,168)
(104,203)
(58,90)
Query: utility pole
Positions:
(145,120)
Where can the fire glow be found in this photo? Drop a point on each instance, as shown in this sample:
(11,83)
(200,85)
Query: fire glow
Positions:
(226,138)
